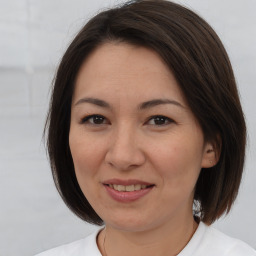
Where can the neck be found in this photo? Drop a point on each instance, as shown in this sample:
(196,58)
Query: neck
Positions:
(168,239)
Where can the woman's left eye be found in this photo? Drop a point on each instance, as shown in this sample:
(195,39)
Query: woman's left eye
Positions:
(159,120)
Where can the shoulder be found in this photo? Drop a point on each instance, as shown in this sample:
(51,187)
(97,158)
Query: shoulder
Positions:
(220,244)
(211,242)
(83,247)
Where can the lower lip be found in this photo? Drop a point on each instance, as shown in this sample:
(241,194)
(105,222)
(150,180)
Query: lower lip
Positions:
(126,197)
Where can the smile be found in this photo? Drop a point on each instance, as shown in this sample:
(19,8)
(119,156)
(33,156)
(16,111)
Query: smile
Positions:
(126,191)
(128,188)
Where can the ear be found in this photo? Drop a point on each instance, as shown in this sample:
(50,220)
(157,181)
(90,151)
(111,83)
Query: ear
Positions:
(211,155)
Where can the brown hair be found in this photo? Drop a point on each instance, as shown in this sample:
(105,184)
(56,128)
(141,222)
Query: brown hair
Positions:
(198,60)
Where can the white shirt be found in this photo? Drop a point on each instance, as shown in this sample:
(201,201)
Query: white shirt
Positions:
(207,241)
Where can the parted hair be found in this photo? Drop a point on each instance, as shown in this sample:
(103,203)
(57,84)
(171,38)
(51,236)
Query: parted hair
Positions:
(195,55)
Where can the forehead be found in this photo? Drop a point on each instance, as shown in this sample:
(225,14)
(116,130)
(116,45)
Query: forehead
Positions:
(121,68)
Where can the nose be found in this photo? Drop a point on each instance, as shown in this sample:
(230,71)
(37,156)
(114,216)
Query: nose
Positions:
(124,152)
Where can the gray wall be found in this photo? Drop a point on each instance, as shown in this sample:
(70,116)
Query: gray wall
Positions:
(34,34)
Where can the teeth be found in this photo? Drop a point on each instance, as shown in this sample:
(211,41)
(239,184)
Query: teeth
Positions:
(120,188)
(129,188)
(137,187)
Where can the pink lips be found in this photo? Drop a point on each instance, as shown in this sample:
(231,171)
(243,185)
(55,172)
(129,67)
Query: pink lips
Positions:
(125,196)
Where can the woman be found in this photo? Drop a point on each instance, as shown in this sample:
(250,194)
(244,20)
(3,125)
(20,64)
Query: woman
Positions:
(146,134)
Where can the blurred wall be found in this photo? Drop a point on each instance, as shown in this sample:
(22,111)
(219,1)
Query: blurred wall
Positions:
(33,37)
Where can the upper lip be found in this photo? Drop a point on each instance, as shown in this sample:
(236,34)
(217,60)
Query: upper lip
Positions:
(126,182)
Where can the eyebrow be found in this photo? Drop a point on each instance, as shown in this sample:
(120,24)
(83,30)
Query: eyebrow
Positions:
(142,106)
(98,102)
(155,102)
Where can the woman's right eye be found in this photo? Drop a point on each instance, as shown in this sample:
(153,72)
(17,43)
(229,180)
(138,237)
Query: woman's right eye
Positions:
(94,120)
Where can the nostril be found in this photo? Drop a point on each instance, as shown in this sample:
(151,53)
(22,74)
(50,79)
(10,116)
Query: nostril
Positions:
(125,159)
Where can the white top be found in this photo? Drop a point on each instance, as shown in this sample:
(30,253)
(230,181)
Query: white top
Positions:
(206,241)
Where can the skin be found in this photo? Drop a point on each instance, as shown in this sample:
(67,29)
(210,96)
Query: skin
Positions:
(127,143)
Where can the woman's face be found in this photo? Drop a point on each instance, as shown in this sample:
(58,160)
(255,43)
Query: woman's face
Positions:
(136,146)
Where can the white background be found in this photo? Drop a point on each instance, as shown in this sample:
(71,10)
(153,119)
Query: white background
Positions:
(33,37)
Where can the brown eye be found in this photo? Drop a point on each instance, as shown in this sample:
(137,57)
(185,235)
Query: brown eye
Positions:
(94,119)
(160,120)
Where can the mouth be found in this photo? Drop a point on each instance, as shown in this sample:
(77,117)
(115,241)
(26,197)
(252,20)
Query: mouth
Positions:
(128,188)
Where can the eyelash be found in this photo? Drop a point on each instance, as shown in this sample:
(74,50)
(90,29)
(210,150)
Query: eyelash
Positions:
(162,118)
(87,118)
(102,118)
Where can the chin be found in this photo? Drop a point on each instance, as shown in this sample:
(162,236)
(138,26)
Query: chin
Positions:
(129,224)
(132,223)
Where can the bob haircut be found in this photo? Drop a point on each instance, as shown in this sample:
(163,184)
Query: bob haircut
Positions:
(195,55)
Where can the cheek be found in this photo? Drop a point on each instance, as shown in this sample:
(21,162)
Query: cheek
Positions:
(85,149)
(178,163)
(87,157)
